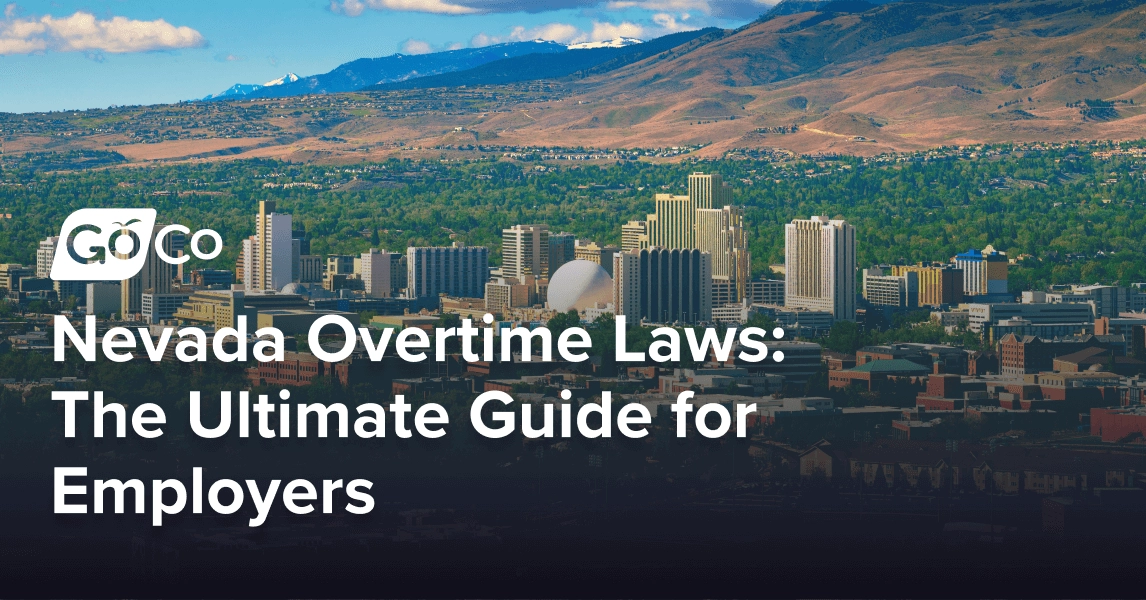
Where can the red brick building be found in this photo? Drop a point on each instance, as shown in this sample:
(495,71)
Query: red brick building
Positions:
(1115,424)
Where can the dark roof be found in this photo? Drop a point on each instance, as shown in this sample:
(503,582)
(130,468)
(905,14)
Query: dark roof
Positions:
(1084,355)
(895,365)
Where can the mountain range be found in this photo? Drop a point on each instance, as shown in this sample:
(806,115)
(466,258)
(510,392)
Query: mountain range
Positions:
(365,72)
(846,77)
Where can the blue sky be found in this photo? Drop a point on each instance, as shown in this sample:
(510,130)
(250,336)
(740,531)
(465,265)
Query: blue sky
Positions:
(59,55)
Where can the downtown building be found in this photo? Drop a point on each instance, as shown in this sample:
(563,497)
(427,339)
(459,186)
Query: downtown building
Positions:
(634,236)
(705,220)
(154,276)
(661,285)
(939,284)
(720,233)
(561,250)
(377,281)
(267,258)
(459,271)
(525,251)
(820,266)
(984,271)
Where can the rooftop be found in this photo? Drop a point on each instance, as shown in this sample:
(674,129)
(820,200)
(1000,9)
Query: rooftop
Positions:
(895,365)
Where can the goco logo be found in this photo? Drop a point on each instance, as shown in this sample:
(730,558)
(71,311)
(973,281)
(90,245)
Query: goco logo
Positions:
(111,244)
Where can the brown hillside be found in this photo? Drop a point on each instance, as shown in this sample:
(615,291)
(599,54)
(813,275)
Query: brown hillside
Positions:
(902,76)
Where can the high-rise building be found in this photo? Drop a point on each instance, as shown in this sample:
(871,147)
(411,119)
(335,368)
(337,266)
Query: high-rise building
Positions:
(820,266)
(671,226)
(309,268)
(12,273)
(882,289)
(245,265)
(627,284)
(525,251)
(155,275)
(295,259)
(376,273)
(561,250)
(594,253)
(939,284)
(504,293)
(766,291)
(663,286)
(457,270)
(158,307)
(634,236)
(103,298)
(398,273)
(708,190)
(45,253)
(273,251)
(720,232)
(704,220)
(984,271)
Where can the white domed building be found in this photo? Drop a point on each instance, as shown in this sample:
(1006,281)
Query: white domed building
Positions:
(579,285)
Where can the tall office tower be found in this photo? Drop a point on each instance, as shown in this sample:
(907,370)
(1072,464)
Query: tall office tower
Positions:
(561,250)
(398,273)
(376,273)
(939,284)
(671,226)
(674,223)
(663,286)
(273,252)
(984,272)
(309,268)
(525,251)
(634,235)
(627,284)
(303,238)
(720,232)
(295,259)
(708,190)
(45,253)
(454,271)
(155,275)
(244,264)
(820,266)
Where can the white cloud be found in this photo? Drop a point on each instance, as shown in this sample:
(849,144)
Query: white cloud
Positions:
(669,24)
(564,33)
(662,5)
(608,31)
(417,47)
(83,32)
(353,8)
(413,46)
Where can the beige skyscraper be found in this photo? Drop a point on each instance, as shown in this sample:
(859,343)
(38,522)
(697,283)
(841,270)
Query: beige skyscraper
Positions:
(634,235)
(720,232)
(708,190)
(272,261)
(525,251)
(674,224)
(820,266)
(155,275)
